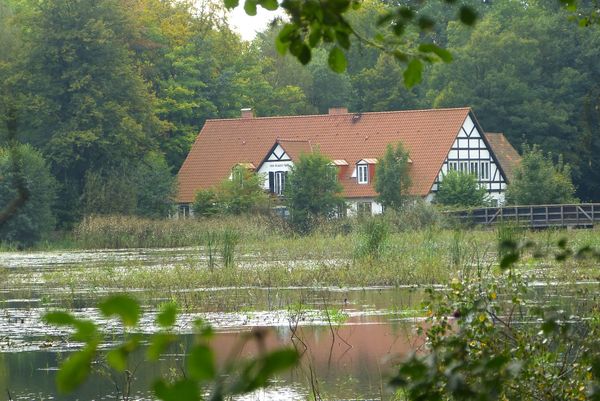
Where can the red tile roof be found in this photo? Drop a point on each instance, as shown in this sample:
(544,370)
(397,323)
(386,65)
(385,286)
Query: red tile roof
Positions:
(507,156)
(426,134)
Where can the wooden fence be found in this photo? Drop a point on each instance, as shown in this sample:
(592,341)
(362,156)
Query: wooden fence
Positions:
(535,216)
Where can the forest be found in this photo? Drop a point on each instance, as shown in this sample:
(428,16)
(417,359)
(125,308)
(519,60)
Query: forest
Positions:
(108,96)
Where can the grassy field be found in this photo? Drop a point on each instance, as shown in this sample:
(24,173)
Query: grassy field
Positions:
(359,253)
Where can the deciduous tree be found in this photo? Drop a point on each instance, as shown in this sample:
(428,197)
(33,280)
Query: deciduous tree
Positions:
(312,190)
(391,177)
(461,190)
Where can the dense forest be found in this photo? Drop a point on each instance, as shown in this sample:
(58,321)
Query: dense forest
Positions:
(112,93)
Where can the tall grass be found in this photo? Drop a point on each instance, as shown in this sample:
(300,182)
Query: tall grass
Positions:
(134,232)
(230,240)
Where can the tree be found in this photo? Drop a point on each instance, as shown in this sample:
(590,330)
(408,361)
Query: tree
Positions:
(35,219)
(243,192)
(462,190)
(538,180)
(89,108)
(392,180)
(312,190)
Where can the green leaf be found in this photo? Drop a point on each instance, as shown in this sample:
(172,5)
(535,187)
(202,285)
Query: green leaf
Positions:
(158,343)
(201,363)
(467,15)
(280,360)
(74,370)
(85,330)
(182,390)
(59,318)
(549,326)
(127,308)
(443,54)
(168,315)
(270,5)
(250,7)
(509,260)
(232,3)
(413,73)
(305,54)
(337,60)
(117,358)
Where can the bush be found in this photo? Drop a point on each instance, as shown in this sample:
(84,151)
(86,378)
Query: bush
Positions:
(35,219)
(391,177)
(312,191)
(461,190)
(206,203)
(147,189)
(539,181)
(415,215)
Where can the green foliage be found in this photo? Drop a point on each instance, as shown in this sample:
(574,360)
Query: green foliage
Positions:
(145,189)
(539,181)
(87,106)
(230,240)
(476,350)
(391,177)
(312,191)
(242,193)
(205,203)
(201,372)
(35,219)
(460,189)
(373,236)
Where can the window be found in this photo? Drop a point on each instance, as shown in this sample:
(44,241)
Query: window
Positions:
(453,166)
(474,168)
(184,211)
(484,173)
(363,173)
(277,182)
(363,208)
(464,167)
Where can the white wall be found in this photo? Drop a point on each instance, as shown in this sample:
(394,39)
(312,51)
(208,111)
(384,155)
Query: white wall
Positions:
(268,167)
(376,208)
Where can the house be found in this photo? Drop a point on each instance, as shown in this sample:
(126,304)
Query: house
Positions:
(437,140)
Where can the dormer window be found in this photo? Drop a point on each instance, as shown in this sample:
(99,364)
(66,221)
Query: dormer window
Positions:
(362,171)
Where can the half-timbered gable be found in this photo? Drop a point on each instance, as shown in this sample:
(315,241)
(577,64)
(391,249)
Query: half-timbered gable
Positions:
(437,141)
(472,153)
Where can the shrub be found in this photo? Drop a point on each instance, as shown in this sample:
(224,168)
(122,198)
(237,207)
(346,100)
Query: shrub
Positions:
(539,181)
(35,219)
(461,190)
(206,203)
(391,177)
(313,191)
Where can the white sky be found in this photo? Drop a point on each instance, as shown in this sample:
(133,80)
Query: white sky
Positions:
(248,26)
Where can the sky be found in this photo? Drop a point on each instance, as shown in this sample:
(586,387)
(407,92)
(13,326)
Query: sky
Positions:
(246,25)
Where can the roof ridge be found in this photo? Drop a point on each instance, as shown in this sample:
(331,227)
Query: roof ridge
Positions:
(337,115)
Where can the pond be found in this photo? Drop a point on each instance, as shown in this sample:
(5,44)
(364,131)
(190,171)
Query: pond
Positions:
(349,338)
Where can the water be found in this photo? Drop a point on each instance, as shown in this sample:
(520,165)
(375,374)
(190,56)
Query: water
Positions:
(350,357)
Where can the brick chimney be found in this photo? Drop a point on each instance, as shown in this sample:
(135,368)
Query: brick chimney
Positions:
(338,110)
(247,113)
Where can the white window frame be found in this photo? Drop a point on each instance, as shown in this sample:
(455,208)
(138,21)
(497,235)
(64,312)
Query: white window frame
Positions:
(279,182)
(484,173)
(362,172)
(474,168)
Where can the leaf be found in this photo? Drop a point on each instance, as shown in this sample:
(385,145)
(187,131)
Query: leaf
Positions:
(443,54)
(117,358)
(75,369)
(281,360)
(467,15)
(158,343)
(305,54)
(250,7)
(509,260)
(59,318)
(85,330)
(549,326)
(127,308)
(270,5)
(413,73)
(337,60)
(232,3)
(201,363)
(168,315)
(182,390)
